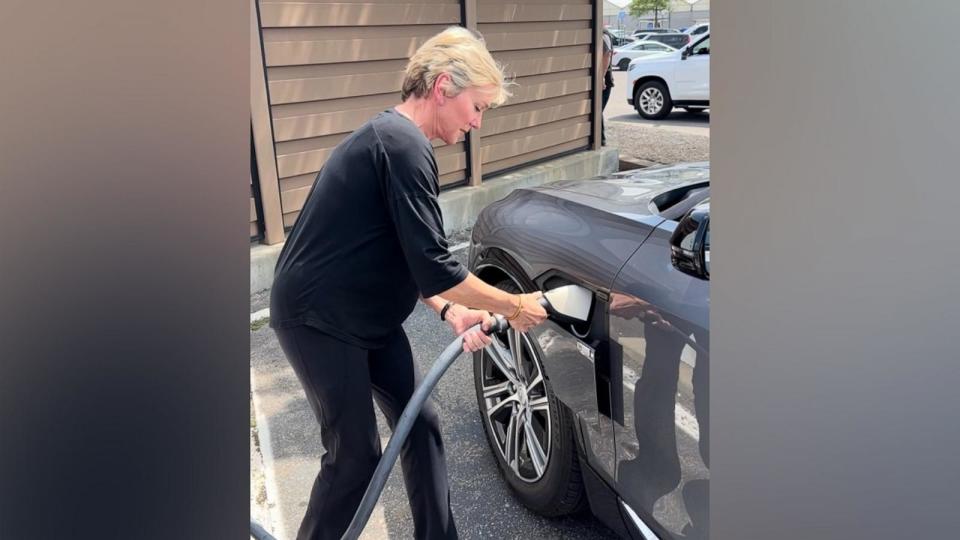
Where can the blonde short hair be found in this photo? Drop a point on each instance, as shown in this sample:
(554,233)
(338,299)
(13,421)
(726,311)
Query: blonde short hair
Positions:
(461,54)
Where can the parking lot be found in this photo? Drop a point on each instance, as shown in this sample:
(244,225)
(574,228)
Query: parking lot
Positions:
(681,136)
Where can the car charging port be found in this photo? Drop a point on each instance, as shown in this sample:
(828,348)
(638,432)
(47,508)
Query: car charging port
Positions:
(581,329)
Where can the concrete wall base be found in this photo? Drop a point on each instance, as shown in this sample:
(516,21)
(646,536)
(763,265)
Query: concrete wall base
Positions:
(461,206)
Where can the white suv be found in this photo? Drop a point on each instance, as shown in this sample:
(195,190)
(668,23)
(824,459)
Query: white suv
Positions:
(679,79)
(697,30)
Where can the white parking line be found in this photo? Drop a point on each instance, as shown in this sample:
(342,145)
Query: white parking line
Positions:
(460,246)
(262,314)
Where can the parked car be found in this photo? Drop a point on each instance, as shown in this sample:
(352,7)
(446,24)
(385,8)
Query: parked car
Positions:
(698,30)
(638,49)
(621,41)
(619,32)
(651,31)
(611,413)
(659,83)
(674,39)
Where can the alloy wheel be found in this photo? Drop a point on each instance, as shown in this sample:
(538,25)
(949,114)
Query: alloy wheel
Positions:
(516,404)
(651,100)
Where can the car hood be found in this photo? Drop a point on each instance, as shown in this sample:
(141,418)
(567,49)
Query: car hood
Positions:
(659,58)
(629,193)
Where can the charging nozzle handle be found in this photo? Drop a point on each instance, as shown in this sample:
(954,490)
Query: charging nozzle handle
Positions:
(501,324)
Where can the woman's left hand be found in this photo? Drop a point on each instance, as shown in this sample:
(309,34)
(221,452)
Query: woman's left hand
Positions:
(462,319)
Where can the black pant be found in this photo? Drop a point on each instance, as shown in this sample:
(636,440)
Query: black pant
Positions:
(340,380)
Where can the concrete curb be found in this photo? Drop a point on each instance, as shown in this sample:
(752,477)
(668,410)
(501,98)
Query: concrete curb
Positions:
(266,453)
(461,206)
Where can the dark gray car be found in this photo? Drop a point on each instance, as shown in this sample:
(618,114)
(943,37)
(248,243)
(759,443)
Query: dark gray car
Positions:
(611,413)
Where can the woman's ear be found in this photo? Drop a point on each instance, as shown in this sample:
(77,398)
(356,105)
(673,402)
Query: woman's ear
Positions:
(438,88)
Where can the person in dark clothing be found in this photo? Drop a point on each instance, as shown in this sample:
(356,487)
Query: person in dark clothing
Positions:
(367,244)
(607,82)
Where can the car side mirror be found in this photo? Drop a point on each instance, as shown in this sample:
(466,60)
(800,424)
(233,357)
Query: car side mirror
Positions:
(686,52)
(690,243)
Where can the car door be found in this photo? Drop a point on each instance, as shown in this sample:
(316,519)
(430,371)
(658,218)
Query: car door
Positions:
(692,75)
(634,50)
(659,332)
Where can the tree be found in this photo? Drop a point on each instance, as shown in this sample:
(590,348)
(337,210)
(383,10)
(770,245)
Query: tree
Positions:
(638,8)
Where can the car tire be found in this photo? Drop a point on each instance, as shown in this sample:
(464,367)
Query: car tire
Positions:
(624,64)
(554,487)
(652,100)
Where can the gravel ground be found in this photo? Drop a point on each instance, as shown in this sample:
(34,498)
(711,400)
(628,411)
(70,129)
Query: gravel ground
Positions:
(657,144)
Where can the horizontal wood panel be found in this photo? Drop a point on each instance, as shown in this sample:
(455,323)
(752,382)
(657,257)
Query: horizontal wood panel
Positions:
(287,110)
(451,163)
(313,33)
(510,109)
(297,90)
(306,145)
(536,138)
(282,73)
(299,181)
(541,115)
(503,41)
(500,165)
(522,67)
(528,27)
(287,53)
(302,163)
(491,13)
(318,125)
(482,3)
(448,149)
(452,178)
(548,89)
(289,219)
(296,14)
(377,2)
(292,200)
(535,130)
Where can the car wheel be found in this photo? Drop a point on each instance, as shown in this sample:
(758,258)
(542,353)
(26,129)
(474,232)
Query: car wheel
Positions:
(529,431)
(652,100)
(624,64)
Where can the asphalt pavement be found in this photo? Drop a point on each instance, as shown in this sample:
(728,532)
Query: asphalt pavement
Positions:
(290,445)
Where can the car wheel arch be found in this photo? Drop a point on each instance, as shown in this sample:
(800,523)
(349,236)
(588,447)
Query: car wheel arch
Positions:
(496,264)
(639,82)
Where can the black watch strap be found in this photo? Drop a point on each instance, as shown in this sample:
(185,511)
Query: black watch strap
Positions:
(443,312)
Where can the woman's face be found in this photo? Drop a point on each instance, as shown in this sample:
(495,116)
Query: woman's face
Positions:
(458,115)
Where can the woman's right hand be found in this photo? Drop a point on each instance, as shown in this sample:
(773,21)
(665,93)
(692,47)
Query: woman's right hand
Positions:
(531,312)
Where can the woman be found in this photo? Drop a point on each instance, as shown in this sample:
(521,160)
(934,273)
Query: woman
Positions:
(368,243)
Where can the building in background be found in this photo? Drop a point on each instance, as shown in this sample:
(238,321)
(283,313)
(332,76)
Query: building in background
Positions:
(681,14)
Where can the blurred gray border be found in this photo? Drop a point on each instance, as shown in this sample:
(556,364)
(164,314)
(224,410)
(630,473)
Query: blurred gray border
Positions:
(834,297)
